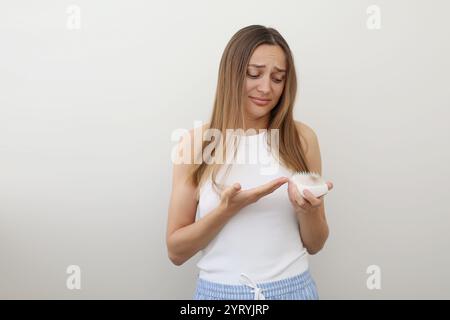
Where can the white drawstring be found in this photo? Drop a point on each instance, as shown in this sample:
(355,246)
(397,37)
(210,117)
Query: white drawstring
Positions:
(249,282)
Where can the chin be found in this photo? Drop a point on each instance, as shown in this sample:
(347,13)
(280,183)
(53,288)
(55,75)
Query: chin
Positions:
(258,111)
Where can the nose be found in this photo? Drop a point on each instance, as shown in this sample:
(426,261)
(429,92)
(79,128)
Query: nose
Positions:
(264,85)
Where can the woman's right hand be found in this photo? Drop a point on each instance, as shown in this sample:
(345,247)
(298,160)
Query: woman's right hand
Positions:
(234,199)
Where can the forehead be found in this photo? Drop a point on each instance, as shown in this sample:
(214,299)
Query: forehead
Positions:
(269,55)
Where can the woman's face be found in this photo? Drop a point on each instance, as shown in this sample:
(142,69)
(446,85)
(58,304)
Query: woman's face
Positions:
(265,80)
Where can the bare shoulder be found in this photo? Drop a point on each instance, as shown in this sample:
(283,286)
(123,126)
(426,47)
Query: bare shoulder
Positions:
(312,152)
(307,135)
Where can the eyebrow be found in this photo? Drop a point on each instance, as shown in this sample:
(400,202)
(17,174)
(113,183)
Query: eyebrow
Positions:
(263,66)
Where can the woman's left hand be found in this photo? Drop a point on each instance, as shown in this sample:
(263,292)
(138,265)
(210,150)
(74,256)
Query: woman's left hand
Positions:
(307,204)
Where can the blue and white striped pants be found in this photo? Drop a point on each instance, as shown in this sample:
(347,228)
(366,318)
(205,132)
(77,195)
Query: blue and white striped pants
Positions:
(299,287)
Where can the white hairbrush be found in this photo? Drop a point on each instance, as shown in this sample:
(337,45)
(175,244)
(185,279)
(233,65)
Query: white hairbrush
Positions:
(311,181)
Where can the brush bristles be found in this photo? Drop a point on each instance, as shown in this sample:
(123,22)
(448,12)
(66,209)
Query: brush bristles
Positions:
(307,178)
(311,174)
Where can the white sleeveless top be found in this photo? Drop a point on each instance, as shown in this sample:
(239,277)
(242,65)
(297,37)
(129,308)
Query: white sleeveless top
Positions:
(262,240)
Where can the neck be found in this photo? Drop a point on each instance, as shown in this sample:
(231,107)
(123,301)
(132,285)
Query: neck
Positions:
(256,123)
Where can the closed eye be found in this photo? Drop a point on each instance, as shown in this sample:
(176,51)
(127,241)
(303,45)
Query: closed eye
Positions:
(257,76)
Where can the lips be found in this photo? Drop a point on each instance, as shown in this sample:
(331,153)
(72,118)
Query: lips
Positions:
(260,101)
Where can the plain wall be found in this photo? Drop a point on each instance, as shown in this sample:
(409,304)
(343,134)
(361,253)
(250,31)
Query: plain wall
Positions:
(86,117)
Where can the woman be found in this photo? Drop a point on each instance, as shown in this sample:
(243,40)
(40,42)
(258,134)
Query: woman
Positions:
(253,227)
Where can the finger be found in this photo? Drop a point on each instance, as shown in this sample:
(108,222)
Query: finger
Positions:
(236,187)
(311,198)
(291,191)
(297,197)
(270,186)
(231,191)
(330,185)
(276,183)
(302,203)
(294,194)
(299,201)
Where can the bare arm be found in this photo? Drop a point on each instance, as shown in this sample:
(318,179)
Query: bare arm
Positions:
(185,236)
(313,230)
(312,222)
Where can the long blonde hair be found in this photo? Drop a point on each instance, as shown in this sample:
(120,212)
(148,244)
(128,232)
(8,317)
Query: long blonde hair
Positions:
(228,111)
